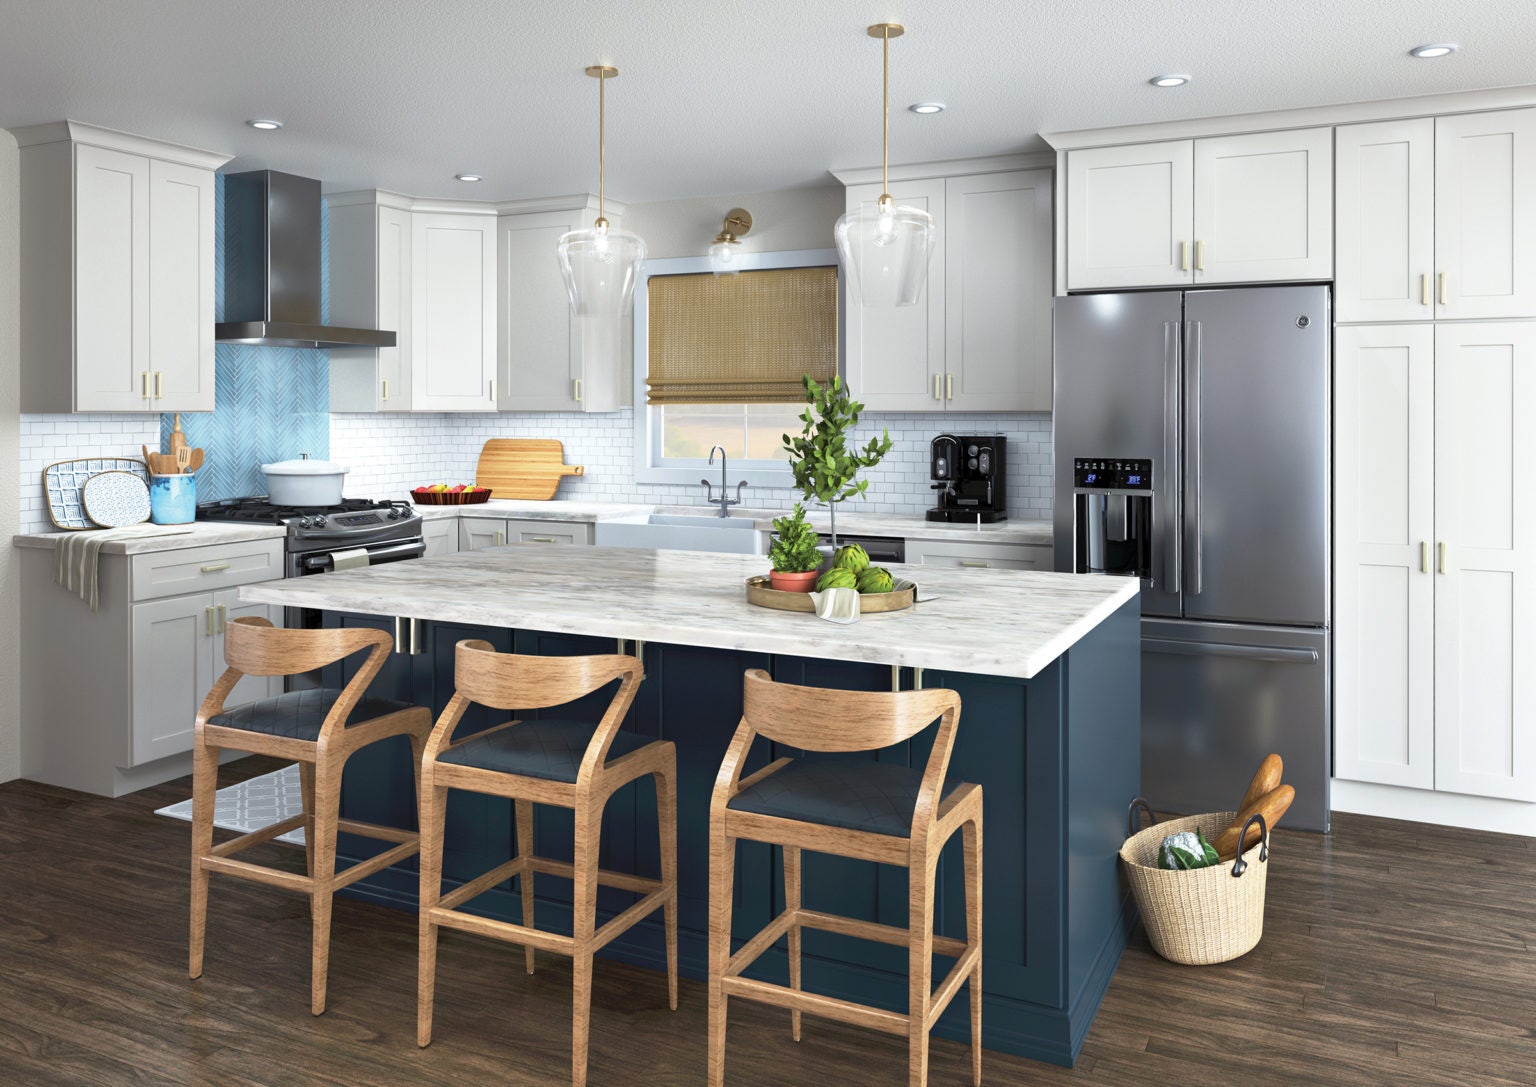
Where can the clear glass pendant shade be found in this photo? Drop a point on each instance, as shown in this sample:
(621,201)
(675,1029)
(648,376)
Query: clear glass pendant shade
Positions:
(600,267)
(884,252)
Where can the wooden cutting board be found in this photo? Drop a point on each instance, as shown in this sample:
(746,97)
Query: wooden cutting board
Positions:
(523,467)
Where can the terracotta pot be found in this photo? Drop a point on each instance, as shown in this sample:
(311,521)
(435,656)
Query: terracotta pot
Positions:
(793,583)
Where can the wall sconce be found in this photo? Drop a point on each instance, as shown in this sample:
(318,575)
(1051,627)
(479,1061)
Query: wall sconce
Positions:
(722,254)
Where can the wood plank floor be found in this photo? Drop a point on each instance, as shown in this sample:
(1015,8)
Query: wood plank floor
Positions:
(1393,953)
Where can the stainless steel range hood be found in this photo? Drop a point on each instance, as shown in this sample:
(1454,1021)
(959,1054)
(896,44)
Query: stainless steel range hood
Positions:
(272,266)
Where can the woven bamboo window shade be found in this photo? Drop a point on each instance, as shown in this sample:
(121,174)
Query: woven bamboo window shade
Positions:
(745,338)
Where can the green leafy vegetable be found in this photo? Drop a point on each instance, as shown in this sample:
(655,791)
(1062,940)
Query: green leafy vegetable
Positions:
(794,549)
(1186,850)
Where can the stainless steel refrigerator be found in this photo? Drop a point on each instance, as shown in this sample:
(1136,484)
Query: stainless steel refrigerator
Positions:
(1227,393)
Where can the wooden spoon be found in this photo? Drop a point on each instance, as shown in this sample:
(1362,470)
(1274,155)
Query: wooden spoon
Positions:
(197,460)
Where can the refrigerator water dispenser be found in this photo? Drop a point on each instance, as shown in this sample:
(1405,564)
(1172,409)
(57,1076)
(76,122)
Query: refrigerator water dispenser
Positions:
(1112,517)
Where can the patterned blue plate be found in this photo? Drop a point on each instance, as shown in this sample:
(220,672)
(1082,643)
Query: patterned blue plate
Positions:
(62,483)
(115,499)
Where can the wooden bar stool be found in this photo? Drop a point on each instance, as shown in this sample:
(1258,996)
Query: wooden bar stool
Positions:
(567,763)
(317,728)
(870,811)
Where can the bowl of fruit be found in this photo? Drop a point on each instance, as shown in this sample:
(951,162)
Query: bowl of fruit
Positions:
(441,494)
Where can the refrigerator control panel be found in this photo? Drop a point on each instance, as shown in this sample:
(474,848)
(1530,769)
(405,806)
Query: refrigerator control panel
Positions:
(1112,475)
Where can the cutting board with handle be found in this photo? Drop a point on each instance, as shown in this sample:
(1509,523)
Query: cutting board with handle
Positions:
(523,467)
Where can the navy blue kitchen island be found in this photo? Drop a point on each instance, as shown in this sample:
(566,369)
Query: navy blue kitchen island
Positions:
(1056,751)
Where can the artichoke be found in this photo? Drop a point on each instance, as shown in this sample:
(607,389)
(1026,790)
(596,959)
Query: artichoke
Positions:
(851,557)
(876,579)
(837,578)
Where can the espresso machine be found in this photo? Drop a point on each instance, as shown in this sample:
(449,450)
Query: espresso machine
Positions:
(970,474)
(1112,517)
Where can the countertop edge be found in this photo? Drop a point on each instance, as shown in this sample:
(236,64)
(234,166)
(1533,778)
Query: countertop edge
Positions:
(203,534)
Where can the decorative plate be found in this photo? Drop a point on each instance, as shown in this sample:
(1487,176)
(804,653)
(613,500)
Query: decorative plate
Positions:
(115,499)
(62,483)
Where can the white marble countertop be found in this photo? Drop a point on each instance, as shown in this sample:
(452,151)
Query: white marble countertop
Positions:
(989,622)
(553,510)
(199,534)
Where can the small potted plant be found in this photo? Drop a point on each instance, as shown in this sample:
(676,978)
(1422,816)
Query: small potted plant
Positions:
(823,465)
(794,553)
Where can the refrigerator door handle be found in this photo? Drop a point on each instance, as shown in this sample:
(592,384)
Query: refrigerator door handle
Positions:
(1279,654)
(1194,461)
(1172,553)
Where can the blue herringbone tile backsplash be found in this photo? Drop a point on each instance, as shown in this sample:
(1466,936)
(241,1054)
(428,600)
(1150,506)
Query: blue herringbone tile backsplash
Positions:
(273,403)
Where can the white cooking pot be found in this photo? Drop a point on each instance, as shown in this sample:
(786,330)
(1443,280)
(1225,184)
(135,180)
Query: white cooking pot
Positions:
(304,482)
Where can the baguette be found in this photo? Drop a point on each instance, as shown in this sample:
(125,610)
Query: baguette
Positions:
(1267,778)
(1272,805)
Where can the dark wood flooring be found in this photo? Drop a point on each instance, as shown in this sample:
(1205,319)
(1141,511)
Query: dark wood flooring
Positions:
(1393,953)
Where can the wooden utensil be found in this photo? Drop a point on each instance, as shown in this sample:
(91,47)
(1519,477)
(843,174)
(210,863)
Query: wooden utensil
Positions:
(178,438)
(197,460)
(523,467)
(183,459)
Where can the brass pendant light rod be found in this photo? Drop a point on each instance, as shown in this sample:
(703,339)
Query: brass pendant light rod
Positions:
(885,32)
(602,73)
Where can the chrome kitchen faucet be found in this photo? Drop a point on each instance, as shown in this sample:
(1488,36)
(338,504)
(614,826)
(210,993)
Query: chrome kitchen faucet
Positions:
(725,503)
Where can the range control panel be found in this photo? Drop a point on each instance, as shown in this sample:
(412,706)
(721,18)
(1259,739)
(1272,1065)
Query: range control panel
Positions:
(1112,475)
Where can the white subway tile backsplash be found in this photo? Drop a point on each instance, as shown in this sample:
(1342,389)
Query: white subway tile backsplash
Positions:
(47,439)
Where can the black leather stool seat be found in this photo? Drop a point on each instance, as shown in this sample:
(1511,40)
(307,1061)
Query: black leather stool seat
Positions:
(877,797)
(548,749)
(298,715)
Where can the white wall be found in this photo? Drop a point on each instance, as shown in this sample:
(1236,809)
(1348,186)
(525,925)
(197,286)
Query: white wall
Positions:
(783,220)
(10,596)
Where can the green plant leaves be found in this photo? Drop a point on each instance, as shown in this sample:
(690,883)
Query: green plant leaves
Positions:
(823,466)
(795,546)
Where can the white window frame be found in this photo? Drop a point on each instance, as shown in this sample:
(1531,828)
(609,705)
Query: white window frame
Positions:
(650,466)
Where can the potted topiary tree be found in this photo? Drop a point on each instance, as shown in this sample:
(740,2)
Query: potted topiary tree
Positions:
(824,467)
(796,558)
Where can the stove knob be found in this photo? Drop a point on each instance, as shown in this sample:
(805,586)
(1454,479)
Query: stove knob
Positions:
(394,513)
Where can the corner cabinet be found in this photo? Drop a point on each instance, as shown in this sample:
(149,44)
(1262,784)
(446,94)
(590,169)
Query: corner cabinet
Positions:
(370,286)
(117,239)
(453,311)
(979,337)
(1228,209)
(1435,610)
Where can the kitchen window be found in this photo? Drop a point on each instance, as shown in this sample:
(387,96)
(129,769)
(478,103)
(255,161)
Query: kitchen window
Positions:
(693,362)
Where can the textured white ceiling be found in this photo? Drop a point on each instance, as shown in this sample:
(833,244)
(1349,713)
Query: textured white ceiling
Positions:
(715,96)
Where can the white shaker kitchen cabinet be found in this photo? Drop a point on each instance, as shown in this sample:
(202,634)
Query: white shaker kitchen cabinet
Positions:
(1264,207)
(173,669)
(1384,194)
(1485,215)
(117,301)
(997,263)
(1130,216)
(549,359)
(978,556)
(453,303)
(1384,542)
(1485,531)
(370,287)
(441,536)
(895,355)
(478,532)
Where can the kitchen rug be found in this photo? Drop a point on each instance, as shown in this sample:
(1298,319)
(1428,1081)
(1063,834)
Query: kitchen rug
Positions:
(251,805)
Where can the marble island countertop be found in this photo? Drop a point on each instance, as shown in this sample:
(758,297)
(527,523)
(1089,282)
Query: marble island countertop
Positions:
(989,622)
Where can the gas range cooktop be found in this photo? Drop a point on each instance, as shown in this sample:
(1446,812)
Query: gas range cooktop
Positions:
(351,515)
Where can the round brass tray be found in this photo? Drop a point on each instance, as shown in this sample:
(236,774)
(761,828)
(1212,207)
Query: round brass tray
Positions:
(760,594)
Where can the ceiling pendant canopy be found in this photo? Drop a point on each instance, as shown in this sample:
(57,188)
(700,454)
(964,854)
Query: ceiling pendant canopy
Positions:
(600,264)
(884,249)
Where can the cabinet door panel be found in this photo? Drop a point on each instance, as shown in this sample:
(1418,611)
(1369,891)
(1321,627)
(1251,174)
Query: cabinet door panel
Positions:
(540,359)
(1385,192)
(1264,207)
(1485,213)
(172,671)
(478,532)
(959,553)
(453,358)
(997,323)
(1384,525)
(181,313)
(442,536)
(394,308)
(1130,215)
(894,355)
(111,280)
(1485,602)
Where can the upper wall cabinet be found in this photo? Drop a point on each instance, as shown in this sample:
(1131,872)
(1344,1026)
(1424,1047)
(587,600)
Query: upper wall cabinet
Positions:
(1437,218)
(117,300)
(548,359)
(370,285)
(979,337)
(1228,209)
(453,318)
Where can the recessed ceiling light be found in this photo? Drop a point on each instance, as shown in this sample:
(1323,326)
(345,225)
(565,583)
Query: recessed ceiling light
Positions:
(1168,80)
(1430,52)
(265,126)
(468,177)
(927,107)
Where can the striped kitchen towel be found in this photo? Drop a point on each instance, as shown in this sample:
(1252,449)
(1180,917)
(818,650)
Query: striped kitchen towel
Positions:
(77,557)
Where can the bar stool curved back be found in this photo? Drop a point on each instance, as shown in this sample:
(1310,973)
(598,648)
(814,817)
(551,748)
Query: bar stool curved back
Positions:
(570,764)
(319,729)
(869,811)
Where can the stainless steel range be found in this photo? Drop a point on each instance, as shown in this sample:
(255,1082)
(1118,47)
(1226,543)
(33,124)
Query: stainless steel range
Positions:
(387,531)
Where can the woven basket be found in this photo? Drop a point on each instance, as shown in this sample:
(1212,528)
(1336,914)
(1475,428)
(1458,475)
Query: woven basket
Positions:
(1204,915)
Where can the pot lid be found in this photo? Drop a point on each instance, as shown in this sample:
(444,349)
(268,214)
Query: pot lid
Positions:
(304,467)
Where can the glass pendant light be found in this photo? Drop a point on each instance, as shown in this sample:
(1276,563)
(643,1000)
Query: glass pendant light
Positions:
(600,264)
(884,249)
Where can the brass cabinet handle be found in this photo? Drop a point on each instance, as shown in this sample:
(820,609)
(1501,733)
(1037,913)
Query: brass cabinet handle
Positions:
(1444,547)
(415,637)
(1199,256)
(214,567)
(159,384)
(576,389)
(937,395)
(501,537)
(144,384)
(949,386)
(223,617)
(492,388)
(208,622)
(976,564)
(1423,556)
(540,539)
(1424,289)
(399,637)
(1444,280)
(385,394)
(1183,256)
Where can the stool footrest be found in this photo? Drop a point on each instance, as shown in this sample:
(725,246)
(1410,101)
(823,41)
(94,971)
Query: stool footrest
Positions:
(273,877)
(620,924)
(502,930)
(951,984)
(376,831)
(482,883)
(351,875)
(873,930)
(827,1007)
(256,837)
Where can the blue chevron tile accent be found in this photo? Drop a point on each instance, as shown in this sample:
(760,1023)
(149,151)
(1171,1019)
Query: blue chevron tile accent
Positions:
(273,403)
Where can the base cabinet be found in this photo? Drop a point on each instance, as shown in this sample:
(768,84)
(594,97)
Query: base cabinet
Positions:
(478,532)
(1436,569)
(979,556)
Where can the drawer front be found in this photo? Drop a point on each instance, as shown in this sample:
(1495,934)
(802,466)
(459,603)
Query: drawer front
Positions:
(549,532)
(979,556)
(204,569)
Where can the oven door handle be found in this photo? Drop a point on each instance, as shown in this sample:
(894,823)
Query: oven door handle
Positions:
(412,550)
